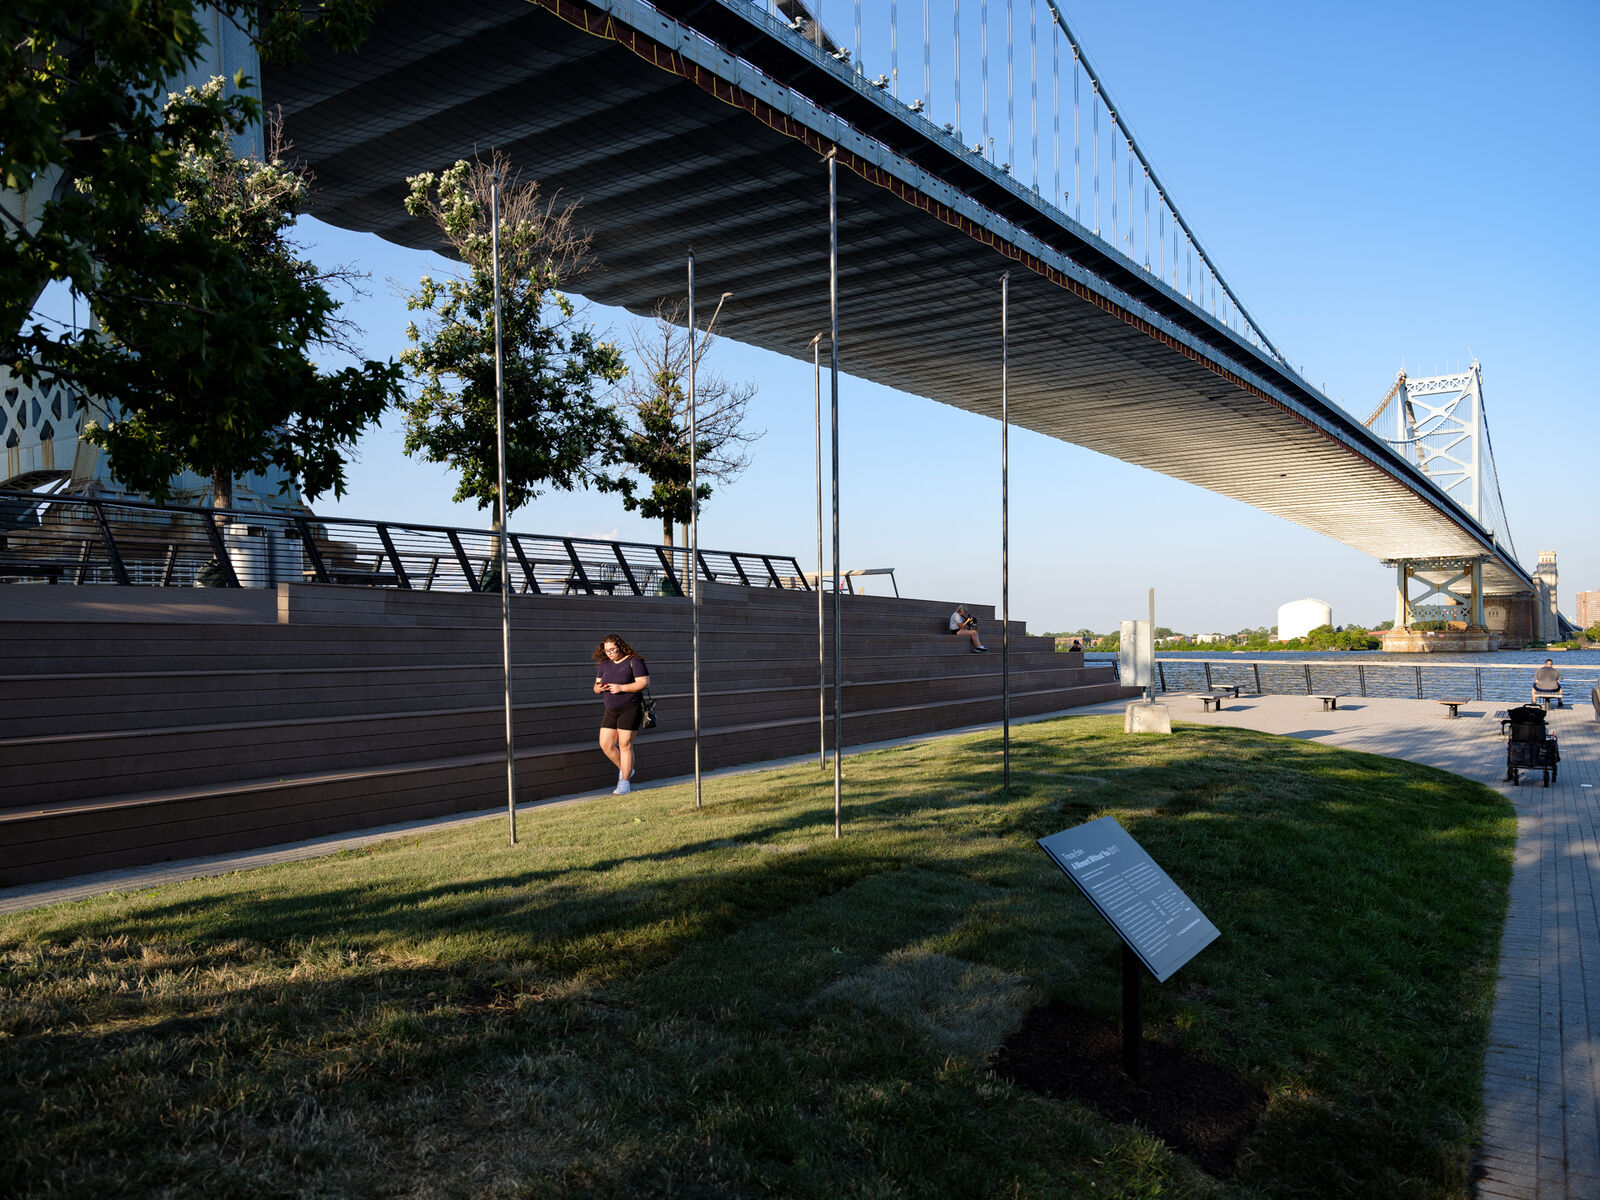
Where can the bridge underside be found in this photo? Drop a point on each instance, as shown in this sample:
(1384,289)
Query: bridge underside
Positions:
(667,156)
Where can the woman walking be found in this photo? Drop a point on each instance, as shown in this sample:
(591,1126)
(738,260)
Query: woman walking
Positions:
(620,675)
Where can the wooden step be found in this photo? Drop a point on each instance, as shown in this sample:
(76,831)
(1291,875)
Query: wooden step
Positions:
(52,840)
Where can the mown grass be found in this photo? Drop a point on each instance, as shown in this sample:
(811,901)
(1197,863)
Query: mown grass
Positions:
(646,1000)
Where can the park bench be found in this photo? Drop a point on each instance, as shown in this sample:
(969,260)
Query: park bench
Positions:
(1211,701)
(1452,705)
(47,569)
(1329,703)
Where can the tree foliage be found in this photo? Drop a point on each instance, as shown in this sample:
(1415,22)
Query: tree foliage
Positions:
(560,431)
(656,407)
(206,310)
(225,386)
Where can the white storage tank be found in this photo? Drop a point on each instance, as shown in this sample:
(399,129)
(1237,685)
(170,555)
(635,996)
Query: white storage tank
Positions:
(1299,617)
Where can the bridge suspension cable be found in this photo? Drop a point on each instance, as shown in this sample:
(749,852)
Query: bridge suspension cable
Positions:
(1210,293)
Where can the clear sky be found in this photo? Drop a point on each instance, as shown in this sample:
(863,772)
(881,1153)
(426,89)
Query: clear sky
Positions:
(1384,185)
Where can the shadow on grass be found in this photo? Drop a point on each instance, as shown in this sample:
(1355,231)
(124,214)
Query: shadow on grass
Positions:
(733,994)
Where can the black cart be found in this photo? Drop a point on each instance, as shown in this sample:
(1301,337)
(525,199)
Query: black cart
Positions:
(1530,747)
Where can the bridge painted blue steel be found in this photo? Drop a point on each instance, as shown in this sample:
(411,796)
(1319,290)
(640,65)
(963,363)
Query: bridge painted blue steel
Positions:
(706,122)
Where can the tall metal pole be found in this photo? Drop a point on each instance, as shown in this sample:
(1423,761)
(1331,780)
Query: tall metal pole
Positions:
(694,539)
(1005,529)
(822,670)
(505,558)
(833,368)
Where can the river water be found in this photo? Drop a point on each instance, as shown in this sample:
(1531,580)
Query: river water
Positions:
(1504,676)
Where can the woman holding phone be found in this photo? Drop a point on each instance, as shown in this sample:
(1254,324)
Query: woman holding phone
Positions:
(620,676)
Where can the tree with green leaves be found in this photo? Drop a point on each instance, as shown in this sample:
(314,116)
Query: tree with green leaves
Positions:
(248,396)
(560,430)
(204,311)
(656,406)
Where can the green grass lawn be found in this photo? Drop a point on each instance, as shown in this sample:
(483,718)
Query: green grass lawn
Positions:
(644,1000)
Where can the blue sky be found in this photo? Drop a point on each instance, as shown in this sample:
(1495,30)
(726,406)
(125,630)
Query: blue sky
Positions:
(1383,184)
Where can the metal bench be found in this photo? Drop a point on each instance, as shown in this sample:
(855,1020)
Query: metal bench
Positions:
(1452,705)
(49,570)
(1329,703)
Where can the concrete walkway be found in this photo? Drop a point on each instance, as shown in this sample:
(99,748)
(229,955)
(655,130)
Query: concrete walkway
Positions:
(1542,1071)
(1541,1077)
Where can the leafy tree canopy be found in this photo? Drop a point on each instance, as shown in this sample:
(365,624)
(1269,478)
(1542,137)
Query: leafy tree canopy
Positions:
(124,194)
(656,407)
(560,431)
(225,387)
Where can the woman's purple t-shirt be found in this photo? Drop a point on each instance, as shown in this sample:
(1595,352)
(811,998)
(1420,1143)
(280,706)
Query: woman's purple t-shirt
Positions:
(625,671)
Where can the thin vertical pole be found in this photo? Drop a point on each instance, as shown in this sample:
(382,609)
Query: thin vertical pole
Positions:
(1033,87)
(694,539)
(822,670)
(1005,529)
(1055,116)
(894,48)
(983,63)
(505,562)
(955,64)
(1011,99)
(833,369)
(1094,101)
(1077,148)
(927,58)
(859,67)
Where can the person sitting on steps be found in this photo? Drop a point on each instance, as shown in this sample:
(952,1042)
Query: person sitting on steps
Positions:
(961,621)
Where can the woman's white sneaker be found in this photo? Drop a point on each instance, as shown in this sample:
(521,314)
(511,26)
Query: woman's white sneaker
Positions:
(623,788)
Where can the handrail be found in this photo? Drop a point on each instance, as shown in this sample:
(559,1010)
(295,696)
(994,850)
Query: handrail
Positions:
(1359,676)
(53,538)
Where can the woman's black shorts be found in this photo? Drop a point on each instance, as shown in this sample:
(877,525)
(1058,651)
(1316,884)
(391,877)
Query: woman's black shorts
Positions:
(629,717)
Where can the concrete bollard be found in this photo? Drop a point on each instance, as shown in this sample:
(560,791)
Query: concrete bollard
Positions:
(1147,716)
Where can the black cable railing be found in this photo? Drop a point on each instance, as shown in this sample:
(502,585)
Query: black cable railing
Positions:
(1431,680)
(55,539)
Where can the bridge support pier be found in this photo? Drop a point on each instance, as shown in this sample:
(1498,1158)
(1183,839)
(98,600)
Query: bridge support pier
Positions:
(1439,608)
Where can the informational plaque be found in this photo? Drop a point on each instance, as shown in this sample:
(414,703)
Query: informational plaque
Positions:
(1149,912)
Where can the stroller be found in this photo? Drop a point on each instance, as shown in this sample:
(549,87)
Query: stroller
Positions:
(1530,748)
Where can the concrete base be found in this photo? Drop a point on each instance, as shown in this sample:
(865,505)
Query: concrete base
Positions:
(1473,640)
(1147,716)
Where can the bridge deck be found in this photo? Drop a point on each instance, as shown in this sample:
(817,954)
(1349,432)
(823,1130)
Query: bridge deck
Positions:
(705,128)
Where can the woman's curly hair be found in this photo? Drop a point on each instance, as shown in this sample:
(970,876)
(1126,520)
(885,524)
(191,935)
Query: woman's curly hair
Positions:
(599,654)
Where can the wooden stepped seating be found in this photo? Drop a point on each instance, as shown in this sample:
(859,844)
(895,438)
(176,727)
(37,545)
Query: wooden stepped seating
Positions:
(134,740)
(44,706)
(71,837)
(74,765)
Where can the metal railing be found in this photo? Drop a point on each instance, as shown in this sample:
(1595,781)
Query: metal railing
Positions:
(84,540)
(1383,679)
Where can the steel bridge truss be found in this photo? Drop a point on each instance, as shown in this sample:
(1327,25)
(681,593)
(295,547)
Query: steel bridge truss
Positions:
(1441,427)
(1438,590)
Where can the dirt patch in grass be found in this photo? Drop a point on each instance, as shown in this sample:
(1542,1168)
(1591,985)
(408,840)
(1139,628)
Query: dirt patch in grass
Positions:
(1196,1107)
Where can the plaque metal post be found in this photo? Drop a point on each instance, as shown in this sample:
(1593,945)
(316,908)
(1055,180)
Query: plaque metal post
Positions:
(1132,1013)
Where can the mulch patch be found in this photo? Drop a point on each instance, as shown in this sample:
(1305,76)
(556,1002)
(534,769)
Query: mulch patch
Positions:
(1196,1107)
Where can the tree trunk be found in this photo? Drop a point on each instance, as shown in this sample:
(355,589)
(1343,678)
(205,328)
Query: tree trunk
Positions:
(222,489)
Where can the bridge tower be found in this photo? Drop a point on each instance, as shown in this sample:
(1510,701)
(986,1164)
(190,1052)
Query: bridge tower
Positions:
(1440,426)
